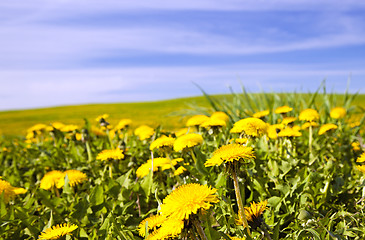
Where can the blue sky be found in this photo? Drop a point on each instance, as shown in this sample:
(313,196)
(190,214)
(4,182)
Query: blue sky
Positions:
(64,52)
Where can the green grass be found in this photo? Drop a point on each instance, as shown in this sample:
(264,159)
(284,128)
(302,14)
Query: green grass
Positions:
(168,113)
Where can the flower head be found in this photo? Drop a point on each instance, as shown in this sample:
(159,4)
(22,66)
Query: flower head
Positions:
(251,126)
(162,142)
(309,115)
(230,153)
(261,114)
(188,199)
(144,132)
(283,109)
(9,191)
(338,112)
(58,231)
(196,120)
(74,177)
(187,141)
(50,179)
(326,127)
(110,154)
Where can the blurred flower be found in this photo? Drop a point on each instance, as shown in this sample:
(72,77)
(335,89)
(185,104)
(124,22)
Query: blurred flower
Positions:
(261,114)
(9,191)
(188,199)
(251,126)
(110,154)
(58,231)
(338,112)
(124,123)
(283,109)
(230,153)
(289,132)
(187,141)
(196,120)
(309,115)
(74,177)
(51,179)
(326,127)
(220,115)
(162,142)
(144,132)
(213,122)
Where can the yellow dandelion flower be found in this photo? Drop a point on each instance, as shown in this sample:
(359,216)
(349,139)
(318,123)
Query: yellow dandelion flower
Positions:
(110,154)
(144,132)
(251,126)
(253,214)
(188,199)
(356,146)
(261,114)
(124,123)
(187,141)
(361,159)
(307,124)
(196,120)
(145,168)
(230,153)
(162,142)
(338,112)
(51,179)
(9,191)
(74,177)
(283,109)
(289,132)
(220,115)
(288,120)
(69,128)
(326,127)
(100,117)
(181,132)
(152,223)
(58,231)
(309,115)
(169,229)
(179,171)
(213,122)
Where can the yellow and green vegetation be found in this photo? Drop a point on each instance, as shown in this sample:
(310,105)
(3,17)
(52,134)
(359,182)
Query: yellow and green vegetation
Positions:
(240,166)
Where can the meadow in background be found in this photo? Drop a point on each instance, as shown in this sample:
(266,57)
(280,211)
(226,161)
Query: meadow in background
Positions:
(243,166)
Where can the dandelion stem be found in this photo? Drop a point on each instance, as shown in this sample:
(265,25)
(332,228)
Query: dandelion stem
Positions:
(199,229)
(241,212)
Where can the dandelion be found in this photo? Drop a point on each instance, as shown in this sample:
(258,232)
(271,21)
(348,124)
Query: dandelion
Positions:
(230,153)
(110,154)
(187,141)
(152,223)
(58,231)
(283,109)
(220,116)
(326,127)
(251,126)
(309,115)
(196,120)
(124,123)
(9,191)
(188,199)
(144,132)
(162,142)
(50,179)
(74,177)
(338,112)
(261,114)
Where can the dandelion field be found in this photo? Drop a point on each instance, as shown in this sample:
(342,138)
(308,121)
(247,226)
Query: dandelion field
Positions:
(267,166)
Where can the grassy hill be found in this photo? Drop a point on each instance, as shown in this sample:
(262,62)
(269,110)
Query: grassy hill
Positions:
(168,113)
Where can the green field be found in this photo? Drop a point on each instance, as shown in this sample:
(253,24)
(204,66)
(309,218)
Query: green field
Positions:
(169,113)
